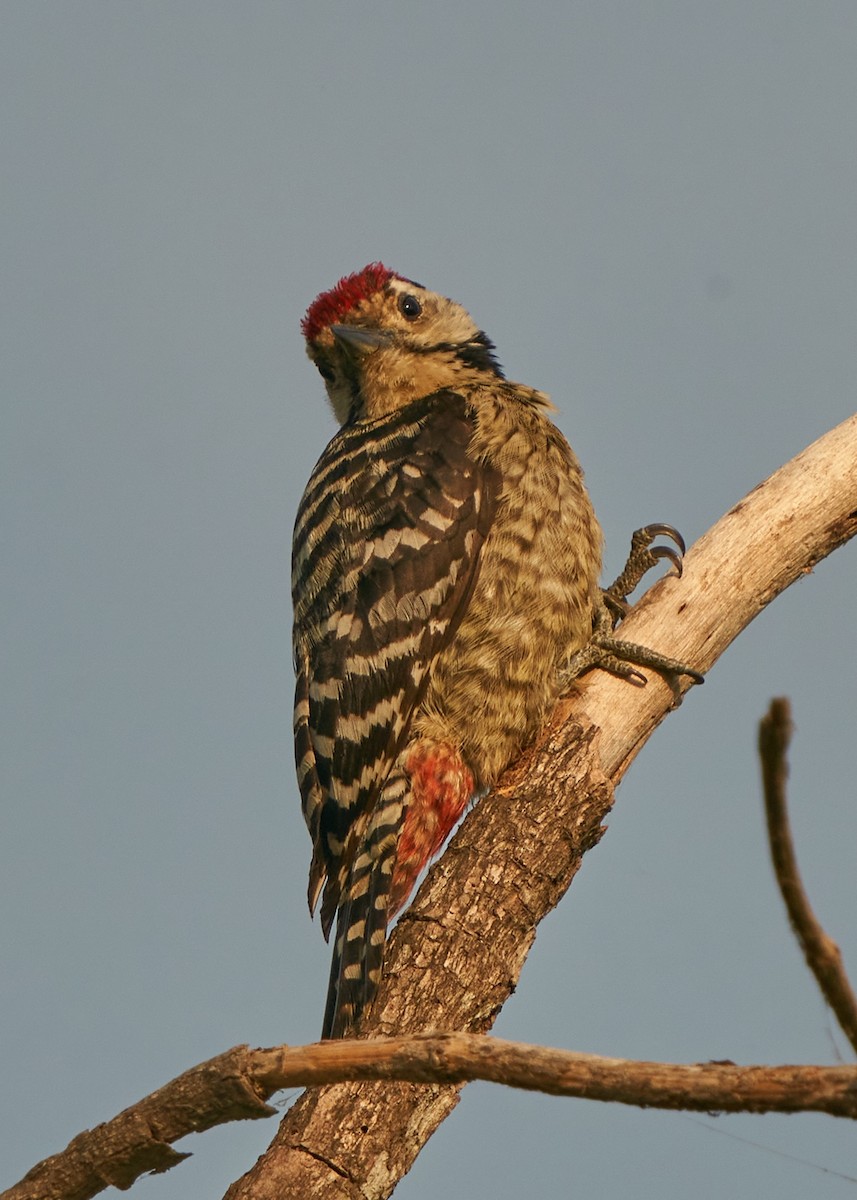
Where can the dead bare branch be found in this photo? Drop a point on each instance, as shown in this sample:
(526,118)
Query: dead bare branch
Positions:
(456,954)
(235,1085)
(822,954)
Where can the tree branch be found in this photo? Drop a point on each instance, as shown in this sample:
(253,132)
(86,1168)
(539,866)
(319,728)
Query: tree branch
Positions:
(236,1084)
(137,1141)
(821,953)
(457,952)
(455,956)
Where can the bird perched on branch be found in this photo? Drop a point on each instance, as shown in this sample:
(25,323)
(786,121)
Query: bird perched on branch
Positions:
(445,575)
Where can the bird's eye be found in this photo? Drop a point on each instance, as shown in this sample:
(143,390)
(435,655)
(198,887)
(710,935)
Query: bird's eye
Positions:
(327,373)
(410,307)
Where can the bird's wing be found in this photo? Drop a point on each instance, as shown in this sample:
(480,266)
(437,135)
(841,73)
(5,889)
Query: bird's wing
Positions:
(385,557)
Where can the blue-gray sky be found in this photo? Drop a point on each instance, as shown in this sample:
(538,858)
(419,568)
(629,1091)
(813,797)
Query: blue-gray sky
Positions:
(651,209)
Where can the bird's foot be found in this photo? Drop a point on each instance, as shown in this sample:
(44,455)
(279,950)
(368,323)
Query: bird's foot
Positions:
(616,655)
(642,557)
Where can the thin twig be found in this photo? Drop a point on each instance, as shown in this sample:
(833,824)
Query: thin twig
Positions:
(821,952)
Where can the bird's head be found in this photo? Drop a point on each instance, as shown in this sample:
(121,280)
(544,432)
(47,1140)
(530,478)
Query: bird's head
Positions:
(381,341)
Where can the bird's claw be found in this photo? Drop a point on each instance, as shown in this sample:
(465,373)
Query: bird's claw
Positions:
(659,552)
(642,558)
(660,529)
(612,654)
(622,658)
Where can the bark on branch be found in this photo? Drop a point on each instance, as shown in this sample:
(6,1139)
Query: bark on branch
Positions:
(235,1085)
(456,955)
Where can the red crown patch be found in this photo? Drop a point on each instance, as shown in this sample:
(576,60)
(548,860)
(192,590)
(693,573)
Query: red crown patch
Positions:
(331,307)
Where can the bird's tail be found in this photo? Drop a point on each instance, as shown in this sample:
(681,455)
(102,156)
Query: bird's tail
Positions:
(361,923)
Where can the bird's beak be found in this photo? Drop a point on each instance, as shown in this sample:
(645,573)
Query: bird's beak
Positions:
(355,338)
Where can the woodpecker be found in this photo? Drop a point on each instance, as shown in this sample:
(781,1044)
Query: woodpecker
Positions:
(445,570)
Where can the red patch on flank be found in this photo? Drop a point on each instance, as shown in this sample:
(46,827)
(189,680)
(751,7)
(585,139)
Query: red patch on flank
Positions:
(331,307)
(441,786)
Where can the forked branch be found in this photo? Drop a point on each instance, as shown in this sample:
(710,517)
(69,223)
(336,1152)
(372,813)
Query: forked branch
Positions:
(457,953)
(235,1085)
